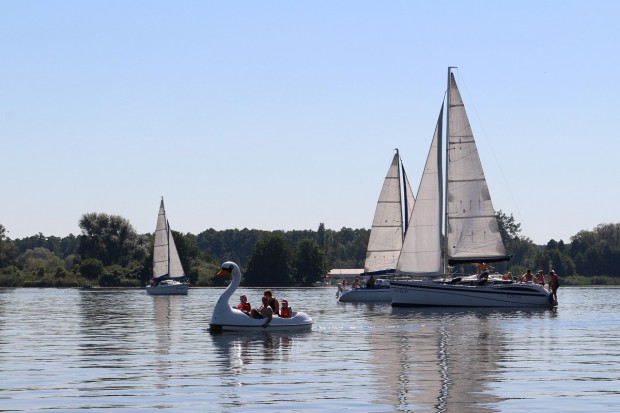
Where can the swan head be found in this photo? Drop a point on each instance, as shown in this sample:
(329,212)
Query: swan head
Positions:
(227,269)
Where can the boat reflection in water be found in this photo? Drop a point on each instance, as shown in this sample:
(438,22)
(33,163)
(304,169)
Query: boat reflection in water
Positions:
(444,360)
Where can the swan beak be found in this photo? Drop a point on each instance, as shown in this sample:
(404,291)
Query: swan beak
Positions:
(223,272)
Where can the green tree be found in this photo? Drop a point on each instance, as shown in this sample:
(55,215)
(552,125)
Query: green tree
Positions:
(110,239)
(309,263)
(269,263)
(8,252)
(40,258)
(91,268)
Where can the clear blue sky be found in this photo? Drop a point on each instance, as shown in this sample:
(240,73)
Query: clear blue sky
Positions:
(284,114)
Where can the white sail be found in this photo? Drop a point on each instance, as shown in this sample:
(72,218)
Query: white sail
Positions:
(409,200)
(472,230)
(386,233)
(421,252)
(176,268)
(166,260)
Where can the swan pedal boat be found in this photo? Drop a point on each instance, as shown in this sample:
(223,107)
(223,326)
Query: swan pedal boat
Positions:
(226,318)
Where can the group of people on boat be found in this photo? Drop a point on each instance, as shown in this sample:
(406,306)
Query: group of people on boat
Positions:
(370,283)
(528,277)
(269,307)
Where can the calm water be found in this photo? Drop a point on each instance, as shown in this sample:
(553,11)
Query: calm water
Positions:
(71,350)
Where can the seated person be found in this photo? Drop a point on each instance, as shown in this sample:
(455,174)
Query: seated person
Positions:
(356,283)
(371,282)
(264,311)
(285,310)
(272,301)
(244,305)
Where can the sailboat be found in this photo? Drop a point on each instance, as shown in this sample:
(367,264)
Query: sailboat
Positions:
(386,235)
(465,212)
(168,274)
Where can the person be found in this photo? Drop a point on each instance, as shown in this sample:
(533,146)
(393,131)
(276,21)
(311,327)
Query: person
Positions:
(285,310)
(554,284)
(528,277)
(244,305)
(507,276)
(272,301)
(264,311)
(371,282)
(356,283)
(540,279)
(482,267)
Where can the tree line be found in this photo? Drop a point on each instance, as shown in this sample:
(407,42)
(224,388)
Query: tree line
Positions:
(109,252)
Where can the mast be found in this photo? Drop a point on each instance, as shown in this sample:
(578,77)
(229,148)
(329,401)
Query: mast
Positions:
(444,203)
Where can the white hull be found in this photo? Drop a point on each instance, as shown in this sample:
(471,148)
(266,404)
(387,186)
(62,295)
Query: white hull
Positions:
(174,288)
(429,293)
(235,320)
(366,295)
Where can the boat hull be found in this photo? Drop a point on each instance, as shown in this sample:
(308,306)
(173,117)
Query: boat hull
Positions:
(237,321)
(168,289)
(366,295)
(430,293)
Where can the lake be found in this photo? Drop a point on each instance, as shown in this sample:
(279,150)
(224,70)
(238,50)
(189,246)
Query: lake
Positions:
(69,350)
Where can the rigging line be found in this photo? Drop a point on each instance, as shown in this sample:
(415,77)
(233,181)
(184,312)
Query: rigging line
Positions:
(471,104)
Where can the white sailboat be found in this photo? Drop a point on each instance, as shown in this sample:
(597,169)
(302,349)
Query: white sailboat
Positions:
(386,235)
(167,269)
(472,232)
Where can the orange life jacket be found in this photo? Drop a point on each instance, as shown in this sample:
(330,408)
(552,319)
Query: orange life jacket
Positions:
(285,312)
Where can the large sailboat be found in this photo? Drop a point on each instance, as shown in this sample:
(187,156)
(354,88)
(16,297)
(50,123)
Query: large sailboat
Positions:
(389,225)
(471,233)
(168,274)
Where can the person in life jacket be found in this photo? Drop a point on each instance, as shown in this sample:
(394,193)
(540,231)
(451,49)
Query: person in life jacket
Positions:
(285,310)
(244,305)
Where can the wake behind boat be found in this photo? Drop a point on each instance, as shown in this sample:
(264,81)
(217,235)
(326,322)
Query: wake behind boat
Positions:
(386,235)
(472,232)
(225,318)
(167,269)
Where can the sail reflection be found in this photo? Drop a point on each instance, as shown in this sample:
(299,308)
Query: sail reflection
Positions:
(442,360)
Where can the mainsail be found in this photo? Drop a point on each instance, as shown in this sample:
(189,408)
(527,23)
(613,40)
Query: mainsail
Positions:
(386,234)
(472,230)
(166,261)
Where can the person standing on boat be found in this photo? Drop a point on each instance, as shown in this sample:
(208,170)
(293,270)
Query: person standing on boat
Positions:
(540,279)
(482,267)
(554,284)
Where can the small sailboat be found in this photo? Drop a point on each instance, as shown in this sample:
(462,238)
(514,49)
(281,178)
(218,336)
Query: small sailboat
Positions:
(225,318)
(465,212)
(386,235)
(168,274)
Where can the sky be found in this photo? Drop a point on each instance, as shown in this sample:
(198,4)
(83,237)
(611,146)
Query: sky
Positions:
(281,115)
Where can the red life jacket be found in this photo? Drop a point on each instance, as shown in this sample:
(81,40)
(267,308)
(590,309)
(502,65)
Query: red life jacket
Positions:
(244,306)
(285,312)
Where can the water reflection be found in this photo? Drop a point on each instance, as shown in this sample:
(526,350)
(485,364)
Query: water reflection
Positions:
(236,351)
(447,359)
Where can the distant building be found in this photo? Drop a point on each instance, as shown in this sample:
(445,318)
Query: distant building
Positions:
(346,273)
